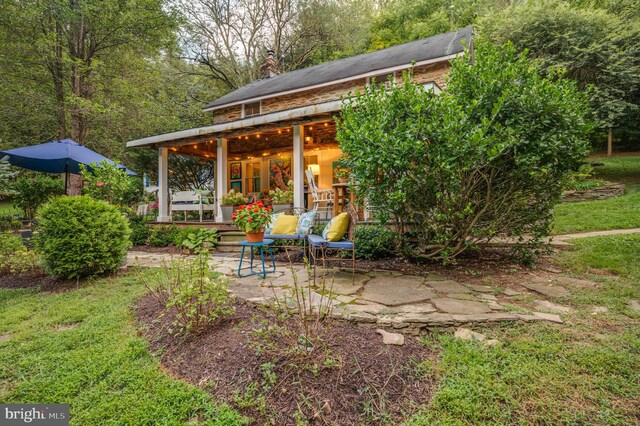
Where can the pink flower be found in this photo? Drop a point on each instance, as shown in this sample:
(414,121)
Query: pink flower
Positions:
(99,183)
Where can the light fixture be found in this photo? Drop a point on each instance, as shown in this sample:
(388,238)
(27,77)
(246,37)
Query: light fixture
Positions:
(326,124)
(264,154)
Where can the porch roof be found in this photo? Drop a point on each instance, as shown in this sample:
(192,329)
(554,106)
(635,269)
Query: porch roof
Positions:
(224,129)
(421,52)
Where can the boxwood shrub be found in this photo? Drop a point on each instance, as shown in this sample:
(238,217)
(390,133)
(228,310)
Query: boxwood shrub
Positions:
(375,242)
(81,236)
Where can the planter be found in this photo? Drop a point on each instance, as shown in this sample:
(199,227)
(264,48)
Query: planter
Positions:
(255,237)
(281,207)
(227,211)
(342,180)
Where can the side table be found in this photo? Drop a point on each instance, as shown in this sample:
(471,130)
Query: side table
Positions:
(264,244)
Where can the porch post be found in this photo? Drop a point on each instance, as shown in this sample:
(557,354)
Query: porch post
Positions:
(163,185)
(298,166)
(221,175)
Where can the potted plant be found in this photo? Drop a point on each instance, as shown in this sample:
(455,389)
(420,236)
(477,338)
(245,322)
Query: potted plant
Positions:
(282,200)
(342,173)
(229,203)
(253,219)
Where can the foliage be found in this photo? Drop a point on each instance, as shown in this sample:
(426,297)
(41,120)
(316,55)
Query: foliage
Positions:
(279,196)
(233,198)
(597,48)
(83,347)
(139,230)
(162,236)
(375,242)
(582,179)
(200,240)
(106,181)
(33,190)
(81,236)
(198,296)
(15,258)
(6,176)
(190,173)
(9,222)
(485,158)
(253,217)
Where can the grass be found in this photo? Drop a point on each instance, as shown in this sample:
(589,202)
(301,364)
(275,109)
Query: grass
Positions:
(585,371)
(80,347)
(614,213)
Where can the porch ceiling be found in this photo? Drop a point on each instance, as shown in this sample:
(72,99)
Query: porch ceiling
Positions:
(318,135)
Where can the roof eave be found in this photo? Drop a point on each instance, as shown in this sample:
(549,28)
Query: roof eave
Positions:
(331,83)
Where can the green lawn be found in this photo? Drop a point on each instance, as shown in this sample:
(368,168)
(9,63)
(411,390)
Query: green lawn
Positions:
(615,213)
(585,371)
(80,347)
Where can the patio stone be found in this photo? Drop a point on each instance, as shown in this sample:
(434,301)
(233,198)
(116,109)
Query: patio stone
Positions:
(509,292)
(634,305)
(420,308)
(391,338)
(599,310)
(370,308)
(457,306)
(480,288)
(545,288)
(448,286)
(548,317)
(575,282)
(466,334)
(394,291)
(546,306)
(344,299)
(487,296)
(462,296)
(435,277)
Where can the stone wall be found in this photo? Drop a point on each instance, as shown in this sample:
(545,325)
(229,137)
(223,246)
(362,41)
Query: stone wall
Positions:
(423,74)
(609,190)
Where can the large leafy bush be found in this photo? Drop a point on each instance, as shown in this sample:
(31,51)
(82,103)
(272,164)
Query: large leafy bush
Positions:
(31,190)
(105,181)
(15,258)
(375,242)
(81,236)
(485,158)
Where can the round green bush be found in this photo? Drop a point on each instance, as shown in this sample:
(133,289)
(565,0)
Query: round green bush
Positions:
(375,242)
(81,236)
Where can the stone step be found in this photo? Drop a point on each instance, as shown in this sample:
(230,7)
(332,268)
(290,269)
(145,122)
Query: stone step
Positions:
(231,236)
(228,246)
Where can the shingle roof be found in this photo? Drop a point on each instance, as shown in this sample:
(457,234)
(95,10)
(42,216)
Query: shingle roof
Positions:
(438,46)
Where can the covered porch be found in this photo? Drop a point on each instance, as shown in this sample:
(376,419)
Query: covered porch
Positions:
(253,156)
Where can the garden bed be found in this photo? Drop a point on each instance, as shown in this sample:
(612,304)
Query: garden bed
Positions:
(361,380)
(608,190)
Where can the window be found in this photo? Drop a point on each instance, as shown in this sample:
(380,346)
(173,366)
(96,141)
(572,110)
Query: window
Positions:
(252,179)
(432,87)
(251,109)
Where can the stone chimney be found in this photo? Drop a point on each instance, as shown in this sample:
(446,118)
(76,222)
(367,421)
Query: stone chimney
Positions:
(269,68)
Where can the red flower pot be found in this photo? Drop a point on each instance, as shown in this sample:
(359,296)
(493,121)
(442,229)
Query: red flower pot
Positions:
(255,237)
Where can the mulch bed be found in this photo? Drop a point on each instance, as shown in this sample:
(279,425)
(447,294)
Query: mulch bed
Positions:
(42,282)
(371,383)
(152,249)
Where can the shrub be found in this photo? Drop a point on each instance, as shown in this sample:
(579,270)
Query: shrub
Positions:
(33,190)
(198,295)
(582,179)
(9,223)
(162,236)
(200,239)
(486,157)
(81,236)
(375,242)
(105,181)
(14,256)
(139,230)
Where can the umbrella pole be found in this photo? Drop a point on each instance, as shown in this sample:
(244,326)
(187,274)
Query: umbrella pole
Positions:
(66,178)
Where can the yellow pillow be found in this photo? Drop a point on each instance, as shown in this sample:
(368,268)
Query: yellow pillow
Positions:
(337,228)
(285,224)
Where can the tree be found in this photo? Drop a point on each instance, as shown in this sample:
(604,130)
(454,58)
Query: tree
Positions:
(485,158)
(599,50)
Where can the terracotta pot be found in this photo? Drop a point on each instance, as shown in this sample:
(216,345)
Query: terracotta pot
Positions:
(255,237)
(342,180)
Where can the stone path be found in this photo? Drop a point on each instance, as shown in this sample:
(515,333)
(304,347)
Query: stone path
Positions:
(410,303)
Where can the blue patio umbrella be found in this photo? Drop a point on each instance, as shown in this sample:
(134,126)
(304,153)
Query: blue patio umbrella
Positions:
(63,156)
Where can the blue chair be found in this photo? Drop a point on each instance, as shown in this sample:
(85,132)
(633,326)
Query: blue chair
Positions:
(327,251)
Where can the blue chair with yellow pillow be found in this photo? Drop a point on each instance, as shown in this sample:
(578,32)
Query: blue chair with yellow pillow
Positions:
(294,224)
(337,237)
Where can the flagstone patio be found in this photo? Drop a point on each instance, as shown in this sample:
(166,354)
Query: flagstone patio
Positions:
(413,303)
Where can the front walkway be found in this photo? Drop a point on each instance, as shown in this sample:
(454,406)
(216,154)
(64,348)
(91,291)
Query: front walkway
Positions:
(414,304)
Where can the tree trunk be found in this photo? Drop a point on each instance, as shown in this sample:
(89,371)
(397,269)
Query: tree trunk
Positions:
(610,143)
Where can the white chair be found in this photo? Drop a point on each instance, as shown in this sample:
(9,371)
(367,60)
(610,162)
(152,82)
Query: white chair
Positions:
(320,196)
(190,201)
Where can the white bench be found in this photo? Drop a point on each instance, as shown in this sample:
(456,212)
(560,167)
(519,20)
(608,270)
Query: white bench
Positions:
(190,201)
